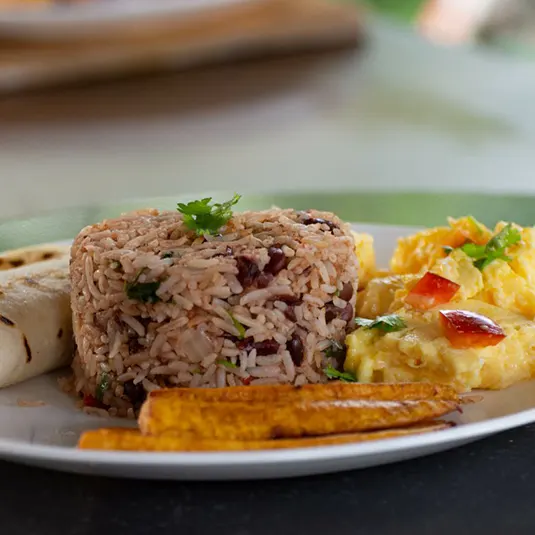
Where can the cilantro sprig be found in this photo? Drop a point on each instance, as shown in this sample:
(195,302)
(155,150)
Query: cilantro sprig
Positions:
(334,374)
(205,218)
(388,324)
(227,363)
(142,291)
(495,249)
(239,327)
(102,386)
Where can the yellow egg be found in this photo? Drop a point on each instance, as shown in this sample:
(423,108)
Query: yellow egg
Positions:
(366,255)
(417,253)
(421,352)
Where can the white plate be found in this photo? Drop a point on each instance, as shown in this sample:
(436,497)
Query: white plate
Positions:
(95,16)
(45,435)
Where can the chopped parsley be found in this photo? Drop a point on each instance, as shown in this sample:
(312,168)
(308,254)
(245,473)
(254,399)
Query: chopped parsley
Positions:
(102,386)
(388,324)
(227,363)
(204,218)
(142,291)
(345,377)
(495,249)
(239,327)
(447,249)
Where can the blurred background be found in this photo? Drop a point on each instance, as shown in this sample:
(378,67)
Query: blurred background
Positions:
(382,110)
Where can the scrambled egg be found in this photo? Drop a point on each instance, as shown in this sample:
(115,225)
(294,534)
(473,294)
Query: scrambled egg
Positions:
(366,255)
(504,291)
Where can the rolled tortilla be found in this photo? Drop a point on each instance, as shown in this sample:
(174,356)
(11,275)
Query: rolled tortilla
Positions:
(35,320)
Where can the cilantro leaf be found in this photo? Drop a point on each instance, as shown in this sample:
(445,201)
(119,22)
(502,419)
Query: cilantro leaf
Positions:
(388,324)
(345,377)
(204,218)
(238,325)
(227,363)
(447,249)
(495,249)
(142,291)
(102,386)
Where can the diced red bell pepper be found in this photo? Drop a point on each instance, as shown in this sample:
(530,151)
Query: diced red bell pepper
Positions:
(247,381)
(430,291)
(465,329)
(90,401)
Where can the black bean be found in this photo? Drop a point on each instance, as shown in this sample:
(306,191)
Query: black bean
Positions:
(296,349)
(264,280)
(277,260)
(134,346)
(319,221)
(290,313)
(267,347)
(347,292)
(331,312)
(347,313)
(135,393)
(247,271)
(289,299)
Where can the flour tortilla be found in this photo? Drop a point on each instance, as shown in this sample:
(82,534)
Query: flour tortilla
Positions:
(35,320)
(16,258)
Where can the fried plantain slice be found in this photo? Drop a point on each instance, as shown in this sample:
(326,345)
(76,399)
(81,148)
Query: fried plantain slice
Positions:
(318,392)
(267,420)
(133,440)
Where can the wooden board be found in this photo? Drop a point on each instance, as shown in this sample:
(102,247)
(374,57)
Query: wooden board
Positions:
(244,30)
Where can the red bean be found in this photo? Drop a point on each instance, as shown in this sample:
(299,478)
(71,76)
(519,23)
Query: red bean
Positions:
(319,221)
(277,260)
(290,313)
(290,299)
(247,271)
(347,313)
(347,292)
(296,349)
(266,347)
(264,280)
(331,312)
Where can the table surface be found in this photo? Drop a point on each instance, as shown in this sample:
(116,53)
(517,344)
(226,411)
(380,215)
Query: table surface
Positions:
(486,488)
(402,115)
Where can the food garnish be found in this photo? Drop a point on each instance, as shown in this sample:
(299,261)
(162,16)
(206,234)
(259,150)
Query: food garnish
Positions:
(239,327)
(465,329)
(495,249)
(430,291)
(102,386)
(142,291)
(204,218)
(389,323)
(227,363)
(345,377)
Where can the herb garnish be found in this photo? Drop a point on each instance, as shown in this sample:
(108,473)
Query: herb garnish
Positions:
(204,218)
(227,363)
(102,386)
(345,377)
(495,249)
(388,324)
(447,249)
(240,328)
(142,291)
